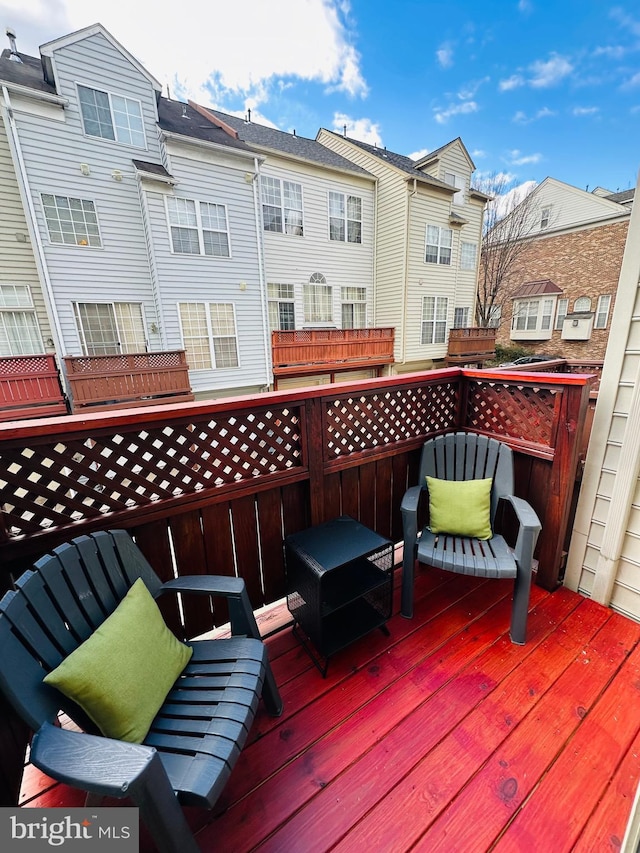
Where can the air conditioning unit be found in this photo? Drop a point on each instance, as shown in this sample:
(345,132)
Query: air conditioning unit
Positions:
(577,326)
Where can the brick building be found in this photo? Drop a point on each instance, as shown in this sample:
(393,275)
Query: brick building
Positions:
(561,295)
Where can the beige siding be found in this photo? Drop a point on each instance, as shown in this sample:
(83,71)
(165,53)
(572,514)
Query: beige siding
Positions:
(604,558)
(17,264)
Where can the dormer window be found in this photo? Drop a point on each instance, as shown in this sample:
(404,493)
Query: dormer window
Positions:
(110,116)
(545,217)
(459,183)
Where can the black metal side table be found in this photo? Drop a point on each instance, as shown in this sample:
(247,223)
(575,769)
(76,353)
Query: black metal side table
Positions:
(339,585)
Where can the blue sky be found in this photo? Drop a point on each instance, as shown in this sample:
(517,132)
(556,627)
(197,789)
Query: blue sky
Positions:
(533,87)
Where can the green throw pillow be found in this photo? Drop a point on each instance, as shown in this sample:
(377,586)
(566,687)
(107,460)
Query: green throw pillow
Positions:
(460,507)
(121,674)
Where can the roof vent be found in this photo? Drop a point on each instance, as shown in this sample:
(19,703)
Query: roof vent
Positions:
(184,111)
(11,34)
(248,118)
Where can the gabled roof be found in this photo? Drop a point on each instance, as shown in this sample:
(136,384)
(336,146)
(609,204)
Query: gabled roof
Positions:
(537,288)
(179,118)
(399,161)
(437,153)
(287,144)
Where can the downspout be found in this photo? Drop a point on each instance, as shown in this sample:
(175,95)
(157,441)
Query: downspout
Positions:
(151,260)
(263,284)
(34,233)
(405,276)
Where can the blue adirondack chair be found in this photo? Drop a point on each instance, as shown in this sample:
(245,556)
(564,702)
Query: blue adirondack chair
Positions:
(197,735)
(465,456)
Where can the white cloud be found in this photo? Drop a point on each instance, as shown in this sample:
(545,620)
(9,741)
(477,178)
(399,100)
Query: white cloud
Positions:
(549,73)
(611,51)
(522,118)
(418,155)
(506,202)
(632,82)
(585,111)
(358,128)
(513,82)
(478,154)
(444,55)
(517,158)
(524,6)
(220,48)
(626,21)
(443,116)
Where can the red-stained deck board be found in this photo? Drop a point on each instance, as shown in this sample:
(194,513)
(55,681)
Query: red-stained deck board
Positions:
(370,781)
(561,804)
(478,816)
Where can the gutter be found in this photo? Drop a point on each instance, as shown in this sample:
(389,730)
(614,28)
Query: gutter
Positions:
(34,94)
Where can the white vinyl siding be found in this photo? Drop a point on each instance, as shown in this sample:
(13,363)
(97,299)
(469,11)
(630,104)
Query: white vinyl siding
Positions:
(111,116)
(71,221)
(434,319)
(209,334)
(19,333)
(354,307)
(468,256)
(602,312)
(561,312)
(281,306)
(345,218)
(282,206)
(439,241)
(109,328)
(198,227)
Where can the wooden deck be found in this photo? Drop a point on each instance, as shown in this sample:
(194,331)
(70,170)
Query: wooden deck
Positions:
(443,736)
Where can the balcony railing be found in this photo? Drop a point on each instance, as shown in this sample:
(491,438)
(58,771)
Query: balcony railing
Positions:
(30,387)
(304,352)
(120,381)
(472,345)
(215,487)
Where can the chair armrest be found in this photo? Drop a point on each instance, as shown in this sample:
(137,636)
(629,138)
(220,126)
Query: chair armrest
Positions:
(93,763)
(243,622)
(409,510)
(528,529)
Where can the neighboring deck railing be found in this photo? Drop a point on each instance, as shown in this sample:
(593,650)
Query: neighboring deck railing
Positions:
(215,487)
(30,387)
(120,381)
(472,344)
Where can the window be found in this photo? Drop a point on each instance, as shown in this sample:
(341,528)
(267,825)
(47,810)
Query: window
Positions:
(354,307)
(468,254)
(71,221)
(583,303)
(318,300)
(438,245)
(461,318)
(533,318)
(434,319)
(345,218)
(19,332)
(111,116)
(547,314)
(282,206)
(525,315)
(198,228)
(545,217)
(602,312)
(209,334)
(281,307)
(561,312)
(458,182)
(110,328)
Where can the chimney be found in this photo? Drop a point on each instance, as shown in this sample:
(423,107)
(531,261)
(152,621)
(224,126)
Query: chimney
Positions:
(15,56)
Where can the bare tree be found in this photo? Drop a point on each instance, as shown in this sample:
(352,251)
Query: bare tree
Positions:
(510,217)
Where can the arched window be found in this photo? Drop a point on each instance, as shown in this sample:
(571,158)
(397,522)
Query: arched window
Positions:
(318,300)
(583,303)
(317,278)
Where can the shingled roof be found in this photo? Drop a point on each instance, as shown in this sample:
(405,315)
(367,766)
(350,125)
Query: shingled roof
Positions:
(27,73)
(180,118)
(271,139)
(621,198)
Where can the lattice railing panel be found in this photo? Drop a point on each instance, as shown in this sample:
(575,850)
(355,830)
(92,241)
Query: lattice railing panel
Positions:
(517,411)
(47,485)
(384,417)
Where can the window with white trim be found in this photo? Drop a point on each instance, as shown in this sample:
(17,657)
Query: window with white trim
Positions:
(110,116)
(19,331)
(532,318)
(434,319)
(525,315)
(198,227)
(317,298)
(345,217)
(602,312)
(458,182)
(561,313)
(439,241)
(354,307)
(468,255)
(110,328)
(583,303)
(282,206)
(545,217)
(209,334)
(281,306)
(461,318)
(71,221)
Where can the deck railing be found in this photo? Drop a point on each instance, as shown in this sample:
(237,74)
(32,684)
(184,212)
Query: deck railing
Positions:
(120,381)
(214,487)
(473,344)
(30,387)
